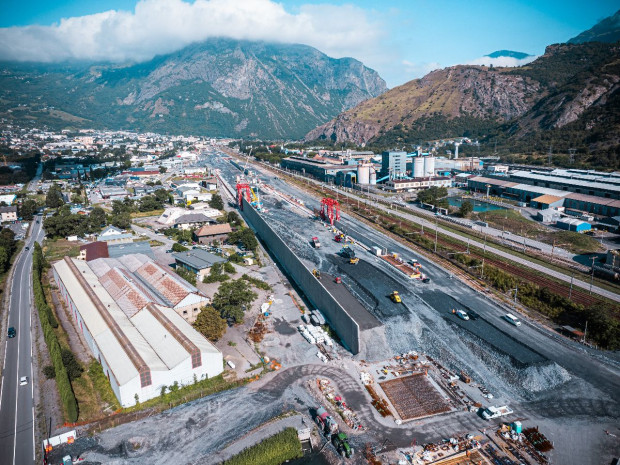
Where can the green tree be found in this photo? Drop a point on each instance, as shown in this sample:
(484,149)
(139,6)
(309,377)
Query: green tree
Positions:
(72,365)
(216,202)
(434,196)
(210,324)
(233,218)
(122,220)
(76,199)
(176,247)
(246,237)
(53,199)
(27,209)
(97,218)
(162,169)
(466,208)
(232,298)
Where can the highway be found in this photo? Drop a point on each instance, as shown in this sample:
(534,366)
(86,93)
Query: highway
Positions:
(17,443)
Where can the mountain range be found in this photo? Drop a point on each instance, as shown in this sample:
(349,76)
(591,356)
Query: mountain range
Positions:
(221,87)
(568,98)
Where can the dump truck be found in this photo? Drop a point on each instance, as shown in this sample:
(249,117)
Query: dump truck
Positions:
(395,296)
(325,422)
(341,443)
(316,243)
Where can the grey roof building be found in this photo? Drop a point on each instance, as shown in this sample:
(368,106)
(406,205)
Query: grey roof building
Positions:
(197,261)
(118,250)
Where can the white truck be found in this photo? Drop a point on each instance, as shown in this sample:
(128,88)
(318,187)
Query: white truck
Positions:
(496,412)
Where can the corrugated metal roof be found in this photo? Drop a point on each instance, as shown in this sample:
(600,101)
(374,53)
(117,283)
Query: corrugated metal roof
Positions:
(156,345)
(198,259)
(167,285)
(540,190)
(118,250)
(573,182)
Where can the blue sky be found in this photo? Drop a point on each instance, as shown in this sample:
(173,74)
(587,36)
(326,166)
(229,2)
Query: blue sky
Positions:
(401,39)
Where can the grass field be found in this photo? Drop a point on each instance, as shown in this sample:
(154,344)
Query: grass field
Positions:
(58,248)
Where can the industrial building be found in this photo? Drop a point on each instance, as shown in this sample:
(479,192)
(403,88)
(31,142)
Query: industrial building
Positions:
(197,261)
(125,309)
(394,164)
(545,197)
(593,183)
(400,185)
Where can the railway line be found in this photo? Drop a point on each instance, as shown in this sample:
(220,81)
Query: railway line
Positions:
(577,295)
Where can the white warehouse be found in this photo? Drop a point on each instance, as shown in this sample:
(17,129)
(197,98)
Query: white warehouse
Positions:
(141,343)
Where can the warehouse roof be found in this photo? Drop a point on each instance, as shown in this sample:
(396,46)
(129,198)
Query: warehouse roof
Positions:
(198,259)
(142,247)
(493,182)
(193,218)
(161,342)
(576,181)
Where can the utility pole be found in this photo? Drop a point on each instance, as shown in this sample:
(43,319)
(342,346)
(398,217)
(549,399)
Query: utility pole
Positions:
(570,292)
(516,290)
(585,332)
(550,154)
(435,234)
(571,153)
(592,277)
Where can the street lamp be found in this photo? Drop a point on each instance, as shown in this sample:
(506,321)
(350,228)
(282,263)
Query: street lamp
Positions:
(592,277)
(516,289)
(435,234)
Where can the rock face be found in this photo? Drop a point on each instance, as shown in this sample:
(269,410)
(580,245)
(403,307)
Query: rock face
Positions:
(219,87)
(607,30)
(552,92)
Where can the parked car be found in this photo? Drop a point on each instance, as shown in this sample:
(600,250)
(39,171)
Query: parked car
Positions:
(23,380)
(12,332)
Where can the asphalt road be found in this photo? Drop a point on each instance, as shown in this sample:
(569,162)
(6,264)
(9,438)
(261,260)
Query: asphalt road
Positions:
(17,402)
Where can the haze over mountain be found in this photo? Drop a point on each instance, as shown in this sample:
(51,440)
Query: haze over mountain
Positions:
(220,87)
(509,54)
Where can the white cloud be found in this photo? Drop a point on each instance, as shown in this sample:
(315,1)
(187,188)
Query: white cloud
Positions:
(509,62)
(418,70)
(163,26)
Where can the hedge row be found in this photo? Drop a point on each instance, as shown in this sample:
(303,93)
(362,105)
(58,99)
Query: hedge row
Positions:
(277,449)
(48,322)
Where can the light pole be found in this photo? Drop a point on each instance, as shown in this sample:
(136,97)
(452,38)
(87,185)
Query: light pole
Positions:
(516,289)
(435,234)
(570,292)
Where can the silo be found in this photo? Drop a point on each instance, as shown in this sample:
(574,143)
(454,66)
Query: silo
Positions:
(418,167)
(363,174)
(429,166)
(373,176)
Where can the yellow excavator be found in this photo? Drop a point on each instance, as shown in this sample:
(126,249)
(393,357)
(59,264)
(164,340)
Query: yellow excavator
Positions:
(395,296)
(316,273)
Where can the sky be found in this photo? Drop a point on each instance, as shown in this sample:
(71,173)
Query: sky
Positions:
(401,39)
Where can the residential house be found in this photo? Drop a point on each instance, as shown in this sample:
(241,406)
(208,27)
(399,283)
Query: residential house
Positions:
(8,214)
(192,220)
(213,232)
(113,235)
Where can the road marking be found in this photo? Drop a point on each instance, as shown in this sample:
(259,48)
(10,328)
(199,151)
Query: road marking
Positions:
(19,319)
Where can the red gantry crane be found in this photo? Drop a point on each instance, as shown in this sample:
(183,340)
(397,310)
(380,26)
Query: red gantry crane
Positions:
(330,210)
(243,190)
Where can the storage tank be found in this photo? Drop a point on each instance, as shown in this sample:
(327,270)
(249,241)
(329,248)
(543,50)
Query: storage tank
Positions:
(418,167)
(373,176)
(363,174)
(429,166)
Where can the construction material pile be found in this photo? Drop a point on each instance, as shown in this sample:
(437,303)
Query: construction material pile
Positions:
(348,415)
(414,396)
(315,335)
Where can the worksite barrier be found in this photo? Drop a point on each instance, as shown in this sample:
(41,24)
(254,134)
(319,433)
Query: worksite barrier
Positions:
(345,326)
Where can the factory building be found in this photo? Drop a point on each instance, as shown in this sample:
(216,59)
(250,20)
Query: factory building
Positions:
(400,185)
(577,181)
(545,197)
(394,164)
(319,169)
(124,310)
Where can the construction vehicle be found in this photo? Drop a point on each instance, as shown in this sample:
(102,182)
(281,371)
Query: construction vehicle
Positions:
(395,296)
(496,412)
(316,273)
(339,237)
(325,422)
(348,252)
(338,280)
(341,443)
(316,243)
(354,260)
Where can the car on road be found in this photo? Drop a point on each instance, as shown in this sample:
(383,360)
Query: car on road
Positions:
(462,314)
(426,280)
(169,251)
(27,248)
(12,333)
(23,380)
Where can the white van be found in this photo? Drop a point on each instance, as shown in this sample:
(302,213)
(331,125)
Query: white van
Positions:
(510,318)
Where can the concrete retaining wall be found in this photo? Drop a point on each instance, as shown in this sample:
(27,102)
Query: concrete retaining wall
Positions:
(345,326)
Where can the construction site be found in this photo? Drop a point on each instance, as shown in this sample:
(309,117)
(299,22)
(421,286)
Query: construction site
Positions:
(377,345)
